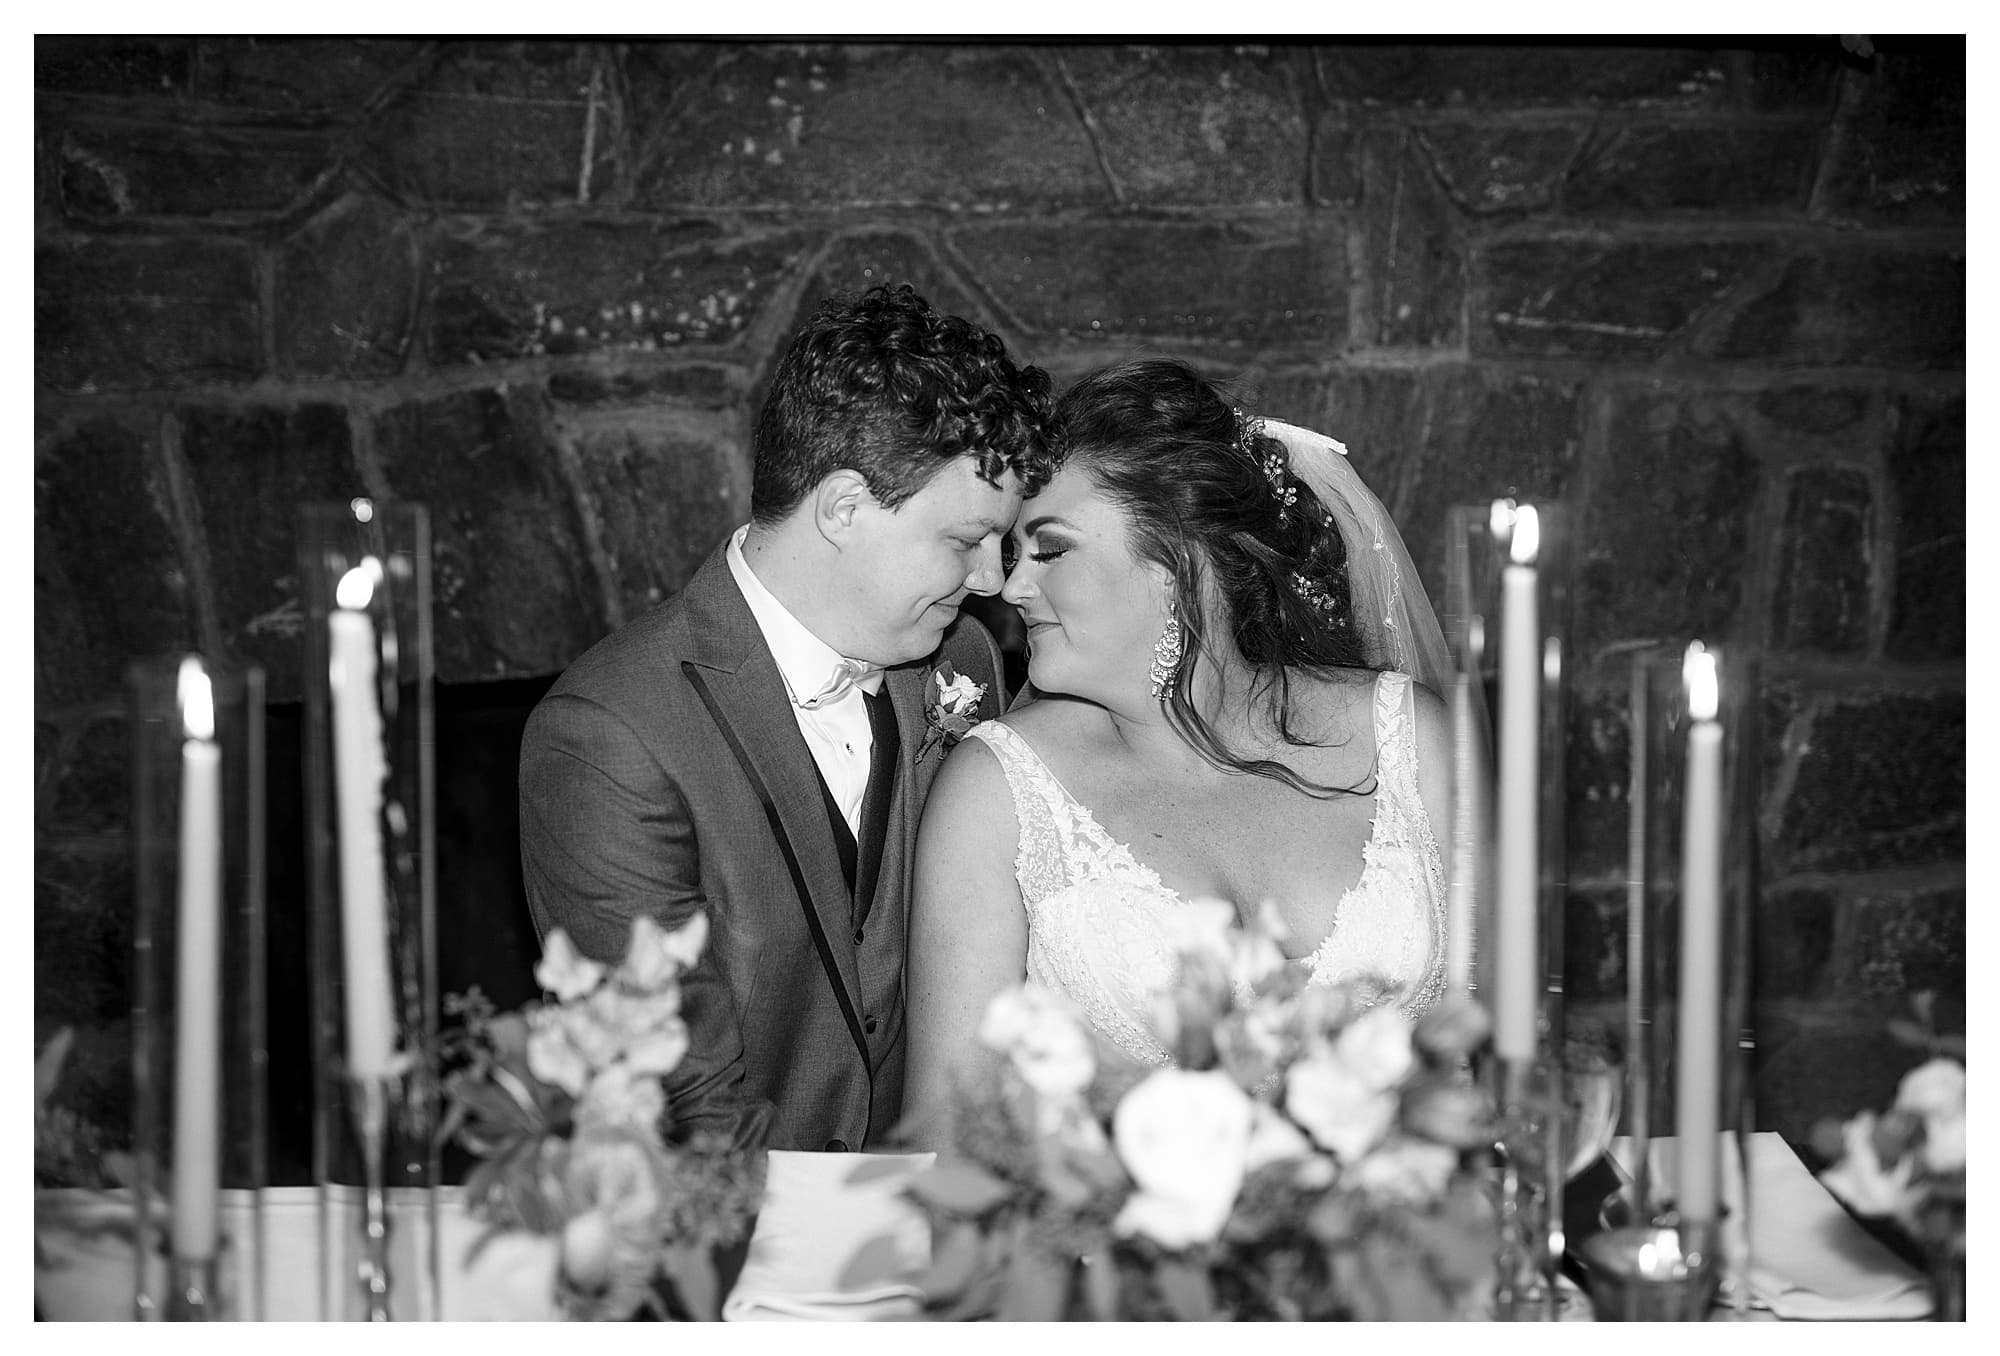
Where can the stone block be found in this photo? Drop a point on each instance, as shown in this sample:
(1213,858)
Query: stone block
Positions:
(1792,75)
(512,589)
(250,469)
(1899,158)
(491,126)
(1262,281)
(1794,936)
(1880,783)
(1333,159)
(1820,1059)
(1825,561)
(667,483)
(1853,307)
(955,125)
(1412,292)
(109,582)
(1593,944)
(583,287)
(302,75)
(1377,412)
(854,263)
(1597,751)
(1489,169)
(1817,414)
(1495,75)
(1193,125)
(1666,544)
(226,174)
(137,313)
(1907,943)
(1586,296)
(645,380)
(1485,433)
(1753,168)
(48,768)
(346,292)
(92,791)
(1927,476)
(113,64)
(83,935)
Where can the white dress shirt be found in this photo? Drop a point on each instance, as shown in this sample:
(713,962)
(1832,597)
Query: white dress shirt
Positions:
(837,732)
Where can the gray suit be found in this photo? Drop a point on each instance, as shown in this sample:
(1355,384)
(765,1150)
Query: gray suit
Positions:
(633,800)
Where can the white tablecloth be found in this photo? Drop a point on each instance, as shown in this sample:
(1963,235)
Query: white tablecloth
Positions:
(835,1239)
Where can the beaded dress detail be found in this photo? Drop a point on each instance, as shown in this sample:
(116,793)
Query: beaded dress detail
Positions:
(1094,910)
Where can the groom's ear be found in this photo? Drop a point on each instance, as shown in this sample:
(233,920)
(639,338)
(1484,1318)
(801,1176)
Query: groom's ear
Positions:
(837,502)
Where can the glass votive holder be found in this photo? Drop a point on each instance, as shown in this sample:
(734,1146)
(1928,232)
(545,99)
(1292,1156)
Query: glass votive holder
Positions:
(1651,1273)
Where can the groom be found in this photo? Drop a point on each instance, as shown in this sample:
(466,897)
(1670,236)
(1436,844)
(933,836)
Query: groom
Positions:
(758,746)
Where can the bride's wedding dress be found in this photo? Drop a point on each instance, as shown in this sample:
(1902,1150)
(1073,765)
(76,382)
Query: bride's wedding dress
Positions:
(1094,910)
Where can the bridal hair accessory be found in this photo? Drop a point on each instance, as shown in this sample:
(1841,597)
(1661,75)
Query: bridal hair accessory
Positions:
(1167,656)
(1315,595)
(1397,626)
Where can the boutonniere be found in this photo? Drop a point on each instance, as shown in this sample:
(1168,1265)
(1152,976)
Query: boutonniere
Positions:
(952,709)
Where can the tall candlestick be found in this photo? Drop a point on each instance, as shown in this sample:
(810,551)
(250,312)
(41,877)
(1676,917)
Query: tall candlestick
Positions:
(1698,1089)
(197,1149)
(359,766)
(1466,817)
(1516,955)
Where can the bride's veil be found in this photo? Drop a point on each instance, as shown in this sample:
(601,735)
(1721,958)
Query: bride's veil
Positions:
(1398,627)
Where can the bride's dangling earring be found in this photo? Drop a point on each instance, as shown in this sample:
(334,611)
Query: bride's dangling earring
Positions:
(1167,656)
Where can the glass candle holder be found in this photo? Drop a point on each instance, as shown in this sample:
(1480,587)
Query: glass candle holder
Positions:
(199,1034)
(1506,616)
(365,584)
(1697,846)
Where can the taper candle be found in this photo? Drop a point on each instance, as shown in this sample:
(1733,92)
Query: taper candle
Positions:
(1466,816)
(1698,1047)
(197,1147)
(359,766)
(1517,957)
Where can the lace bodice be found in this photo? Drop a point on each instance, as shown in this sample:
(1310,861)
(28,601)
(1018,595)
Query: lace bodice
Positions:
(1094,909)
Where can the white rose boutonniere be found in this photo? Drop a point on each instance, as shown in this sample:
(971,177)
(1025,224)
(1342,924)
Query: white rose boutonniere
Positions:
(952,710)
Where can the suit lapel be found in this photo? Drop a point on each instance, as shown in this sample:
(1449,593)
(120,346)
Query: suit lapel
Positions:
(905,687)
(753,701)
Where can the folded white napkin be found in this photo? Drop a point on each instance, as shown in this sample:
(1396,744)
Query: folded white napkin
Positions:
(1808,1258)
(835,1240)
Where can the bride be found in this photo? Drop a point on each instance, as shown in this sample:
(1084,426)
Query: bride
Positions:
(1223,629)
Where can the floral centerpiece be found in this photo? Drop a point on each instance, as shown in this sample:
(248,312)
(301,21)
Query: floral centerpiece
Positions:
(1905,1168)
(563,1104)
(1310,1154)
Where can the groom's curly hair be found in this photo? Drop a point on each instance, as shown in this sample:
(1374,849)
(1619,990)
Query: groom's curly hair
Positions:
(881,384)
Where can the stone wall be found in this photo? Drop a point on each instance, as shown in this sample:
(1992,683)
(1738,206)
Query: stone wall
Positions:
(1715,299)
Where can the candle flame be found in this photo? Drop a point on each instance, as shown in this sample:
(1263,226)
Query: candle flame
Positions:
(363,509)
(1527,541)
(1500,518)
(357,586)
(197,698)
(1698,672)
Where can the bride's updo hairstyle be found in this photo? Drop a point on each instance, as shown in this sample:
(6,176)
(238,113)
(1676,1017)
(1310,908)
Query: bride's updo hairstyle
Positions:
(1209,499)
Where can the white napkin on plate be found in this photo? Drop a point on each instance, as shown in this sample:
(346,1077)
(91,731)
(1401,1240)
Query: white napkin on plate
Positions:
(1808,1258)
(836,1239)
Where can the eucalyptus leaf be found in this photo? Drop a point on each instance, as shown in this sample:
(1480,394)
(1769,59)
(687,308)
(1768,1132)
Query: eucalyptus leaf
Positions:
(959,1188)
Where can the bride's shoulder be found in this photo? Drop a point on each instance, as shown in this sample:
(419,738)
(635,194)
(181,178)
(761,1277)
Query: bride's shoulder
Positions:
(1049,718)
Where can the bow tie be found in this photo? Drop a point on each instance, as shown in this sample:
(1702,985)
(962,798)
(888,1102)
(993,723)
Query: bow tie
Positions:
(846,674)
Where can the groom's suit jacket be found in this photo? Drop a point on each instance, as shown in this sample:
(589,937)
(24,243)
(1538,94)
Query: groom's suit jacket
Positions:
(635,799)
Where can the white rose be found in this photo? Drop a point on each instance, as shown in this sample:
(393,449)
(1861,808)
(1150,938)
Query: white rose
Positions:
(1040,1033)
(961,694)
(565,971)
(1341,1110)
(1202,927)
(1412,1172)
(621,1098)
(1273,1139)
(1934,1088)
(660,1050)
(1944,1143)
(1859,1177)
(1376,1046)
(551,1055)
(1184,1137)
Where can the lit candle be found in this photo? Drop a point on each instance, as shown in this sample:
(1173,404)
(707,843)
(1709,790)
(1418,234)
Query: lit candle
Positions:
(1697,1089)
(359,767)
(1468,766)
(197,1151)
(1516,955)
